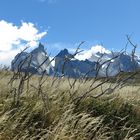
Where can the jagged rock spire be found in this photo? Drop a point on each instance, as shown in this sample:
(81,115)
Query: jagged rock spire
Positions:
(37,63)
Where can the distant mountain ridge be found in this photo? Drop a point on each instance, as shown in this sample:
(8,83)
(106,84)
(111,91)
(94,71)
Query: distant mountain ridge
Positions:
(66,64)
(100,64)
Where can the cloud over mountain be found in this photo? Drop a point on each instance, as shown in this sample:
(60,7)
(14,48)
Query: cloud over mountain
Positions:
(89,53)
(14,38)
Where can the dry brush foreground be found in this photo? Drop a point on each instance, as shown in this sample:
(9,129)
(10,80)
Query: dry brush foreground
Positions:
(50,108)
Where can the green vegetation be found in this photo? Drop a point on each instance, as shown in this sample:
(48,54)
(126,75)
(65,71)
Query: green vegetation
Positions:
(50,109)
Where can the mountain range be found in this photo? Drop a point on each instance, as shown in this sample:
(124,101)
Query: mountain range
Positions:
(98,63)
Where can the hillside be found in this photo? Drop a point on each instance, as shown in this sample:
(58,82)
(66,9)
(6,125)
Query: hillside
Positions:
(53,108)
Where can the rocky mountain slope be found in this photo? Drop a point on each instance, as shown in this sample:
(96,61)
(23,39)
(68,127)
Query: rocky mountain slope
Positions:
(36,61)
(98,63)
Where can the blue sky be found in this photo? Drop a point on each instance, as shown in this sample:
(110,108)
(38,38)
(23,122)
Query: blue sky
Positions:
(70,21)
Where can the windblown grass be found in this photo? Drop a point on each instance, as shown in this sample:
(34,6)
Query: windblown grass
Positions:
(53,114)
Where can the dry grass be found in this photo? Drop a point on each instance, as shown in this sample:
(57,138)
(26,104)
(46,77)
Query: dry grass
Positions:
(53,114)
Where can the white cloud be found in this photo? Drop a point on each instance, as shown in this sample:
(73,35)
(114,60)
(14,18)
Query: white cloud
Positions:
(14,38)
(89,53)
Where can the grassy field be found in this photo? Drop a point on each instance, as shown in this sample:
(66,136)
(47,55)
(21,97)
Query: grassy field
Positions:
(66,109)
